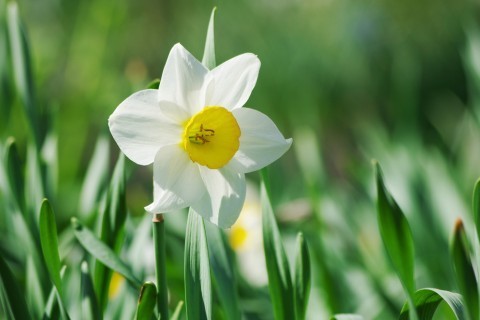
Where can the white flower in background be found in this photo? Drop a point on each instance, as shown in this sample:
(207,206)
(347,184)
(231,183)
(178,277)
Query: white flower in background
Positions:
(246,239)
(199,138)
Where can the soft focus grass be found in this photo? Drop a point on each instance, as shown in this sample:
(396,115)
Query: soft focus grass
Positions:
(349,81)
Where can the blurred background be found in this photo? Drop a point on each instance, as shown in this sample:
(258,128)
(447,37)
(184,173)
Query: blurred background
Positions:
(348,80)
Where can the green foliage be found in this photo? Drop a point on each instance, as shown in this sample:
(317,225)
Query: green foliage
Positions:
(427,300)
(198,287)
(279,278)
(146,301)
(466,279)
(301,281)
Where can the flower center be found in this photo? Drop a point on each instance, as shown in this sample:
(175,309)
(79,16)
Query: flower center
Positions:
(211,137)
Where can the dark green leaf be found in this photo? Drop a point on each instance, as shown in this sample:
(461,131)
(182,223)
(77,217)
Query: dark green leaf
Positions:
(14,297)
(466,279)
(198,293)
(14,170)
(396,234)
(279,278)
(154,84)
(49,242)
(302,278)
(102,252)
(90,309)
(146,301)
(160,264)
(427,300)
(476,207)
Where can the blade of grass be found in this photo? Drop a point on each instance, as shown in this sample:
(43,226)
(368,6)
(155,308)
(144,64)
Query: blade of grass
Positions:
(476,207)
(34,292)
(146,301)
(102,252)
(178,311)
(198,292)
(301,283)
(90,309)
(13,294)
(49,243)
(222,271)
(279,278)
(427,300)
(14,170)
(396,235)
(466,279)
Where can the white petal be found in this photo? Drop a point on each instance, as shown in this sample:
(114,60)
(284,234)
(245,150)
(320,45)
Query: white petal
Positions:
(261,142)
(176,181)
(224,199)
(230,84)
(182,80)
(141,125)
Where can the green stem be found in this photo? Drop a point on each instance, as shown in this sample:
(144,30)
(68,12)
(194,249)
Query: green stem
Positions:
(159,241)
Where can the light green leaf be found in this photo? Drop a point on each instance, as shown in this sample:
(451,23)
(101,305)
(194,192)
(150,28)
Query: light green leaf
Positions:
(146,301)
(54,308)
(396,234)
(34,292)
(90,309)
(427,300)
(466,279)
(279,279)
(346,317)
(178,311)
(302,278)
(102,252)
(14,297)
(198,292)
(223,270)
(49,242)
(209,52)
(95,178)
(22,70)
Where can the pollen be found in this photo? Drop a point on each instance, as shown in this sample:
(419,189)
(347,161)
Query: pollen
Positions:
(211,137)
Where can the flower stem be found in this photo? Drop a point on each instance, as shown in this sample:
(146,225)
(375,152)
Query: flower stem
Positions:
(159,241)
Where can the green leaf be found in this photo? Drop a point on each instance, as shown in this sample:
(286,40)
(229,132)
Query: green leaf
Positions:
(476,207)
(198,292)
(146,301)
(54,308)
(178,311)
(113,222)
(396,234)
(302,277)
(49,242)
(102,252)
(160,264)
(209,52)
(34,292)
(22,70)
(14,297)
(346,317)
(14,170)
(466,279)
(154,84)
(222,271)
(279,279)
(90,309)
(6,94)
(95,178)
(427,300)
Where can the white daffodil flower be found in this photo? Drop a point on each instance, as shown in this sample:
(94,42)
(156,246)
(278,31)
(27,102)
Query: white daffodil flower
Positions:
(197,135)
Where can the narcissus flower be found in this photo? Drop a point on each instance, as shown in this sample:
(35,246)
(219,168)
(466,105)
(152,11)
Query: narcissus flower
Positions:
(197,135)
